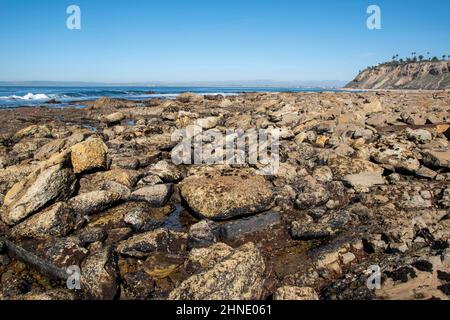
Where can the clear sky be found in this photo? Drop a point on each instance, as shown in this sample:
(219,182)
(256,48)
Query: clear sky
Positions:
(207,40)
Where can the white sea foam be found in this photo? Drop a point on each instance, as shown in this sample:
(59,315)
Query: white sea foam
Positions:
(28,96)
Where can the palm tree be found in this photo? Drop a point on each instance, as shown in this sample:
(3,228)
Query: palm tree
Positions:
(420,57)
(443,57)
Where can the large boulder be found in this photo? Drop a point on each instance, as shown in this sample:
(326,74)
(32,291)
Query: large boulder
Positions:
(225,196)
(89,155)
(52,181)
(237,276)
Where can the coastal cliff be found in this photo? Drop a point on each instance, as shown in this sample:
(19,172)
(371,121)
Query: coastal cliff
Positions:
(410,75)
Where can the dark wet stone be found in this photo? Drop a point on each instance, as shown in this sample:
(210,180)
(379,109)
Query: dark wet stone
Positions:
(203,234)
(2,247)
(423,265)
(244,226)
(117,235)
(309,231)
(439,245)
(402,274)
(91,235)
(64,252)
(445,288)
(444,276)
(137,286)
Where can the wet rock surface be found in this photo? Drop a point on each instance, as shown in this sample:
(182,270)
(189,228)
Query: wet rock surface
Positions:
(363,181)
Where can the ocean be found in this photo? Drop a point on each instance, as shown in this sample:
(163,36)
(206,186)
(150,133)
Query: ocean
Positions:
(14,97)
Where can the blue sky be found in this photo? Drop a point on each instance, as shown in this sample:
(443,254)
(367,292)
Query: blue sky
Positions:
(207,40)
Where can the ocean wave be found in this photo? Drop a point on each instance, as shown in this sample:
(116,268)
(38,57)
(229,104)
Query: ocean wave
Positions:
(28,96)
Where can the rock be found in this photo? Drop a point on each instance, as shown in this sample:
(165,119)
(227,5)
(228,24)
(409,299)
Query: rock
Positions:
(207,123)
(116,188)
(413,119)
(397,155)
(93,202)
(109,103)
(50,182)
(189,97)
(353,118)
(304,230)
(89,155)
(168,172)
(162,265)
(56,221)
(98,275)
(63,252)
(137,286)
(52,147)
(323,174)
(377,120)
(51,295)
(415,202)
(203,234)
(426,173)
(113,119)
(90,235)
(348,258)
(420,135)
(436,159)
(221,197)
(343,167)
(124,163)
(311,194)
(201,259)
(128,178)
(445,200)
(373,107)
(364,180)
(156,196)
(37,131)
(249,225)
(142,219)
(423,285)
(160,240)
(239,276)
(150,180)
(295,293)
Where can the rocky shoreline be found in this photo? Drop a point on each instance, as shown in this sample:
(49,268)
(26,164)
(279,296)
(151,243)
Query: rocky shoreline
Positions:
(363,182)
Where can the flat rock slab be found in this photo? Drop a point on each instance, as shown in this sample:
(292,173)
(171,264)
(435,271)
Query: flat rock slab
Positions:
(241,227)
(364,179)
(228,195)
